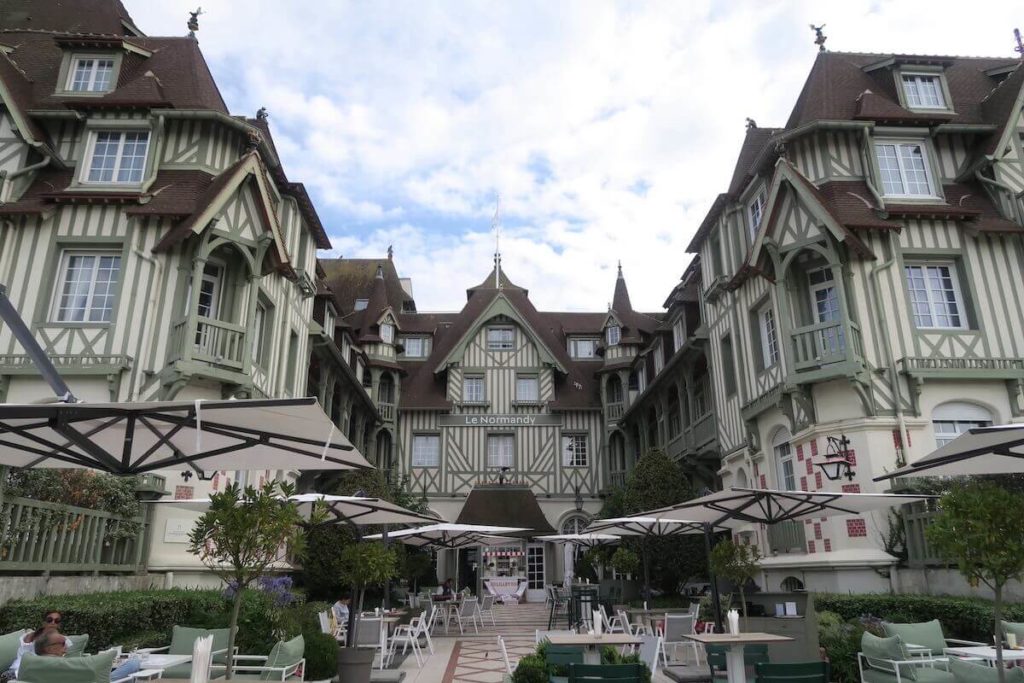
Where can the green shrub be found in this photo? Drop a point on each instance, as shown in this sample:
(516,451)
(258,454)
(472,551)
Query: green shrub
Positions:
(531,669)
(964,618)
(841,641)
(321,656)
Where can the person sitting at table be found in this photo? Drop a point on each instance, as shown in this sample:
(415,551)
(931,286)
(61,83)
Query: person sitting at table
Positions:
(51,622)
(447,590)
(55,644)
(340,609)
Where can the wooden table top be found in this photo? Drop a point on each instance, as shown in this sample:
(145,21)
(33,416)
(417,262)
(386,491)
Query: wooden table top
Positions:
(739,638)
(592,639)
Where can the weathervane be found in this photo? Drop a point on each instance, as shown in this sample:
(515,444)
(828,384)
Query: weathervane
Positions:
(193,22)
(1020,43)
(819,36)
(496,226)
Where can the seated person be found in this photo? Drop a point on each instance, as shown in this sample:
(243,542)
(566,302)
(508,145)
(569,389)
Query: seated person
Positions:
(51,623)
(446,589)
(340,610)
(54,644)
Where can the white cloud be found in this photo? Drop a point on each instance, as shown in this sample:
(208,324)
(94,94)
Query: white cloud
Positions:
(608,127)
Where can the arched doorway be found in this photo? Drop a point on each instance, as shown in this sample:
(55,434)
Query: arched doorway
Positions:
(384,451)
(574,524)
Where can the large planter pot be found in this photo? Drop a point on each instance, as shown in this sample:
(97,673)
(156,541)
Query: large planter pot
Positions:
(355,664)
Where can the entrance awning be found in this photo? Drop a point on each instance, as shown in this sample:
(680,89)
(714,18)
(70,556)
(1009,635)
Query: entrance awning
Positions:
(504,505)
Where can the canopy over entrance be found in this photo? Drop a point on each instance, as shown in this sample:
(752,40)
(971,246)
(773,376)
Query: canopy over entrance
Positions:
(505,505)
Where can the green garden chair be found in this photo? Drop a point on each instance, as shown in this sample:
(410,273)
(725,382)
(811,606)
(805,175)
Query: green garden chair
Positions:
(927,636)
(284,663)
(886,660)
(183,639)
(752,656)
(562,657)
(801,672)
(971,672)
(607,673)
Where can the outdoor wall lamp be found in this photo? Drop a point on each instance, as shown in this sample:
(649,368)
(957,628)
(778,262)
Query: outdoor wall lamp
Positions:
(837,459)
(579,500)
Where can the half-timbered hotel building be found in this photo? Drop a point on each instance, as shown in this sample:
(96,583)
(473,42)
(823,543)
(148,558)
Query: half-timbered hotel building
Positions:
(150,239)
(860,276)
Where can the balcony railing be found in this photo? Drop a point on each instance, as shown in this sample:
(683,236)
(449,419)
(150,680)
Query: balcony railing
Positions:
(787,537)
(704,430)
(916,518)
(617,479)
(212,341)
(387,411)
(824,343)
(41,536)
(614,411)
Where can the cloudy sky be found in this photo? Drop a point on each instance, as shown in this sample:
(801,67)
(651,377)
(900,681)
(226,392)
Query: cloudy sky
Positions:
(606,127)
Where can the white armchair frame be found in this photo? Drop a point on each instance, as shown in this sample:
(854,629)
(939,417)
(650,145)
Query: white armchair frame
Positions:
(892,666)
(261,667)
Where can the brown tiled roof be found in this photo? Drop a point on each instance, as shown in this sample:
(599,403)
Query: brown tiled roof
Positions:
(496,505)
(308,209)
(77,16)
(755,140)
(997,107)
(20,90)
(578,323)
(710,218)
(352,279)
(851,202)
(488,283)
(874,107)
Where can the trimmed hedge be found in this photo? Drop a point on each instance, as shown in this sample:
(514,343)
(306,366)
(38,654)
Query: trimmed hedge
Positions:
(964,618)
(146,618)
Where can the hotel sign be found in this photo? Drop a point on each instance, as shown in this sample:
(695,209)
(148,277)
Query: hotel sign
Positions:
(479,420)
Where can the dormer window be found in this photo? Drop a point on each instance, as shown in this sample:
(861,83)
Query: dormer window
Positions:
(755,211)
(923,91)
(904,169)
(90,74)
(416,347)
(387,333)
(116,157)
(583,348)
(361,304)
(613,335)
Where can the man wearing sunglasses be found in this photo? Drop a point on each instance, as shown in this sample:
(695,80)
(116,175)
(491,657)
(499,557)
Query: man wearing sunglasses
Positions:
(51,624)
(55,644)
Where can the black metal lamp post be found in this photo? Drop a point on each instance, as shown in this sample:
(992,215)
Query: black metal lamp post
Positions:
(837,462)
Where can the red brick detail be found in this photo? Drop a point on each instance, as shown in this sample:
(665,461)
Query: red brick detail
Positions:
(184,492)
(851,455)
(810,466)
(856,527)
(817,479)
(814,448)
(828,545)
(800,452)
(803,483)
(851,488)
(817,531)
(810,546)
(764,482)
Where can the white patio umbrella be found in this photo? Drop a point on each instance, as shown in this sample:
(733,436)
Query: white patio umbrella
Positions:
(981,450)
(133,438)
(585,540)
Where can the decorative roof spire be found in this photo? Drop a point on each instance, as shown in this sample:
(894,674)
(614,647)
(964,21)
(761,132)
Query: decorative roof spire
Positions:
(496,226)
(751,123)
(620,268)
(261,114)
(391,252)
(819,36)
(193,22)
(1020,43)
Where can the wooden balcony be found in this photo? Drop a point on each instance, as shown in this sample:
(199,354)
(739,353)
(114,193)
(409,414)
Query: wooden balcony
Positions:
(617,480)
(40,536)
(614,411)
(387,411)
(787,537)
(212,341)
(825,349)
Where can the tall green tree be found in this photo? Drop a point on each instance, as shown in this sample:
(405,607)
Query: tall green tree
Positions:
(244,533)
(979,528)
(738,563)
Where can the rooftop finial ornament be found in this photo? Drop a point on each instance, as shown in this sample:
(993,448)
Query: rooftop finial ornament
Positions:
(751,123)
(496,226)
(391,252)
(819,36)
(193,22)
(262,114)
(1020,43)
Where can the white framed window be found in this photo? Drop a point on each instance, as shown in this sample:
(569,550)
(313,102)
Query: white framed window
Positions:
(935,297)
(87,286)
(329,319)
(769,336)
(784,461)
(527,388)
(361,304)
(583,348)
(500,338)
(923,91)
(501,450)
(416,347)
(426,450)
(678,334)
(755,211)
(90,74)
(574,450)
(387,333)
(950,420)
(904,169)
(659,358)
(259,332)
(473,389)
(613,335)
(116,156)
(825,308)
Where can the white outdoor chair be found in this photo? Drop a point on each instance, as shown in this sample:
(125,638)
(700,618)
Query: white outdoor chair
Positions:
(370,632)
(409,636)
(634,628)
(486,609)
(614,624)
(651,648)
(504,655)
(467,612)
(677,627)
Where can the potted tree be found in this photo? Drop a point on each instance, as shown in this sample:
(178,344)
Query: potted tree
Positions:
(362,564)
(738,563)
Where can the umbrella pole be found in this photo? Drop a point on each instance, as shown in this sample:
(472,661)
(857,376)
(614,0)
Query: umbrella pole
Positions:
(716,599)
(457,570)
(387,584)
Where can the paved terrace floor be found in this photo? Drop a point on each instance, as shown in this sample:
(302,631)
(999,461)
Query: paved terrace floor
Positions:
(476,658)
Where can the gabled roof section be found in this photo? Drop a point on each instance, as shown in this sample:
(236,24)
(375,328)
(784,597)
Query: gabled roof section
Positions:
(217,196)
(1002,107)
(352,279)
(512,304)
(77,16)
(754,141)
(503,283)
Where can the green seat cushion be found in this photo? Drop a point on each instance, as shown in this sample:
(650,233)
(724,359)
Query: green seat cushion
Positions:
(284,654)
(972,672)
(880,651)
(183,639)
(926,634)
(86,669)
(9,643)
(927,674)
(184,671)
(77,646)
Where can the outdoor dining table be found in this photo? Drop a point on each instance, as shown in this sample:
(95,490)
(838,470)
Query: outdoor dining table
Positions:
(159,661)
(986,652)
(592,643)
(736,668)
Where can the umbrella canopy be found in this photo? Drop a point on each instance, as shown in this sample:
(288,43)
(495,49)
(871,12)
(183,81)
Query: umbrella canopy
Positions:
(587,540)
(981,450)
(132,438)
(645,526)
(448,535)
(737,506)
